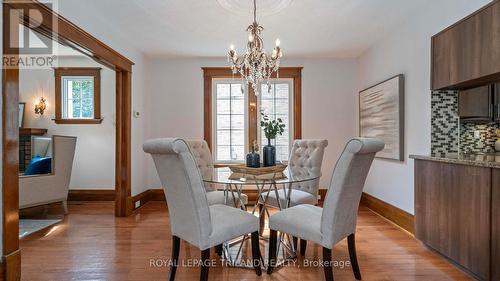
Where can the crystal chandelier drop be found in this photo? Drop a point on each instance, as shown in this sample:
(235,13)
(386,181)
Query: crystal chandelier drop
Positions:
(255,66)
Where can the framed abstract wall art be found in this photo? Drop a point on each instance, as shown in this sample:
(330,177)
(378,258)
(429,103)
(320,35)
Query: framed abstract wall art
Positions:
(381,115)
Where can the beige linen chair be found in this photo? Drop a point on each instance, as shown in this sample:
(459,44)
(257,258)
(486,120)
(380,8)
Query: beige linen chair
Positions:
(204,161)
(337,219)
(39,190)
(191,217)
(305,154)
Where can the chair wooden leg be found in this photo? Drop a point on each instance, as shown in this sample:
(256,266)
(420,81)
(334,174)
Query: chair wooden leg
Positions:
(327,267)
(218,250)
(272,251)
(295,243)
(303,246)
(351,244)
(262,218)
(205,264)
(256,253)
(176,245)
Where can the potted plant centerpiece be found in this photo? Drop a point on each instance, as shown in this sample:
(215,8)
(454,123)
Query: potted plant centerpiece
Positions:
(272,128)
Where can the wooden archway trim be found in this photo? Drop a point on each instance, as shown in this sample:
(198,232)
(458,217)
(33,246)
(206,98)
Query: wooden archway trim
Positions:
(11,257)
(123,166)
(70,35)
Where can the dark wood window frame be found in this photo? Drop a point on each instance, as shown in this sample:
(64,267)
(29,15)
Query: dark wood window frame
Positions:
(95,72)
(209,73)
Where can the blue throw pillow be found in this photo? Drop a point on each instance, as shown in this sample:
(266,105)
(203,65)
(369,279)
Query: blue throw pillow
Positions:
(39,165)
(34,159)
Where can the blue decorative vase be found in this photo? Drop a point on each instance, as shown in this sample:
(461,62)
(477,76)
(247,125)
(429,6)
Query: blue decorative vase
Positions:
(269,154)
(253,160)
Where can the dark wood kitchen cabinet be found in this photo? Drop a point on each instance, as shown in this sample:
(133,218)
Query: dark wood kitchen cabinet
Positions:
(452,213)
(495,227)
(467,54)
(476,104)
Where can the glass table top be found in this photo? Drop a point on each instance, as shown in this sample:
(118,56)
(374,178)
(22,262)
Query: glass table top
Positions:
(289,175)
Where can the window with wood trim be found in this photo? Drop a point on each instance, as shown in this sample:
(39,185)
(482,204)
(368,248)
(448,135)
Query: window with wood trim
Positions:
(78,95)
(229,122)
(232,117)
(277,102)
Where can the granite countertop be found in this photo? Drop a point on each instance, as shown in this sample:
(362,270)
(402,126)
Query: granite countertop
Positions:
(481,160)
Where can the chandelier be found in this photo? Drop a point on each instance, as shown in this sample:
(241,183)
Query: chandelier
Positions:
(255,66)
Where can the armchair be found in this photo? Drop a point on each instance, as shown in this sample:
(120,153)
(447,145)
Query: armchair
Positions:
(50,188)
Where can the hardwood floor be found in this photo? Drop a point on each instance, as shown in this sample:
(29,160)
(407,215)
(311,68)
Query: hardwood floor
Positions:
(92,244)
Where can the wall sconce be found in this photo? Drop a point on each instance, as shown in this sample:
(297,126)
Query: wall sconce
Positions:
(40,106)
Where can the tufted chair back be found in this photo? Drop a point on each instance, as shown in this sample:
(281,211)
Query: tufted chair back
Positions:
(340,210)
(183,186)
(308,154)
(204,160)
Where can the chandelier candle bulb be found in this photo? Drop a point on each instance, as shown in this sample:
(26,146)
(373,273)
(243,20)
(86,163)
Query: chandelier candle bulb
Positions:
(278,42)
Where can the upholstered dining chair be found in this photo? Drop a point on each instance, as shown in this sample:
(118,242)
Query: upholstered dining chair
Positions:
(337,219)
(205,163)
(192,219)
(304,154)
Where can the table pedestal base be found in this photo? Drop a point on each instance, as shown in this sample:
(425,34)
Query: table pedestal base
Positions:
(233,250)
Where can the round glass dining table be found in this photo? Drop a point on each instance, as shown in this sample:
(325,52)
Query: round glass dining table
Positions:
(235,183)
(264,184)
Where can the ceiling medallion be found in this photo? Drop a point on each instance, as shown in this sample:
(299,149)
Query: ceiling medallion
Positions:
(255,66)
(244,7)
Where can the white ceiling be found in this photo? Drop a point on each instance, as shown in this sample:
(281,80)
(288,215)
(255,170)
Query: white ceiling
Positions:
(203,28)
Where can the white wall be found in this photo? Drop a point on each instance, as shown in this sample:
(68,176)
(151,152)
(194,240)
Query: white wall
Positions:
(72,10)
(175,93)
(407,50)
(94,162)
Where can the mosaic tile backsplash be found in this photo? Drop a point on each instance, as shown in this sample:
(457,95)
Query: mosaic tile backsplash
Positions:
(444,123)
(486,141)
(445,128)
